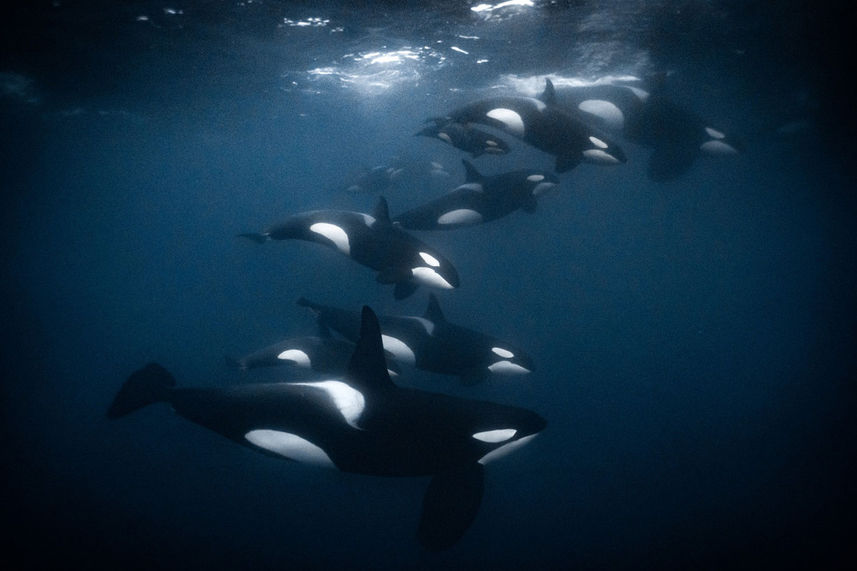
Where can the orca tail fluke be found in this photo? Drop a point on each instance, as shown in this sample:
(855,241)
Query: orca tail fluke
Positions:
(146,386)
(234,363)
(258,238)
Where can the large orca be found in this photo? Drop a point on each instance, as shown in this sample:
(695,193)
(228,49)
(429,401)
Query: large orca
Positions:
(432,343)
(465,137)
(360,423)
(676,135)
(373,241)
(480,199)
(544,125)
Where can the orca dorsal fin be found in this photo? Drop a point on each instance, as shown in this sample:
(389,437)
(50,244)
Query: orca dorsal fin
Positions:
(368,366)
(433,312)
(470,172)
(549,94)
(382,211)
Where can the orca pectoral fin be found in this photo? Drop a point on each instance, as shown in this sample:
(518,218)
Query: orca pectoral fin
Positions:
(567,162)
(450,506)
(404,289)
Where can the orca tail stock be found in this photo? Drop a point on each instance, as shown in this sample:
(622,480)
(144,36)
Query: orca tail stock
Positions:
(145,386)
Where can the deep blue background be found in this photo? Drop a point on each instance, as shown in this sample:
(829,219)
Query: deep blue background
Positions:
(694,339)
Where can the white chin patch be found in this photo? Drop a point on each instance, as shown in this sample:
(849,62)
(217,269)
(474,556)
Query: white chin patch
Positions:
(507,368)
(505,449)
(605,110)
(599,157)
(289,446)
(495,436)
(717,148)
(460,216)
(399,349)
(296,356)
(542,188)
(511,120)
(430,278)
(333,233)
(348,401)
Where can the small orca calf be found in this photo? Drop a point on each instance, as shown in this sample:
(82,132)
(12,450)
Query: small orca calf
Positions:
(480,199)
(361,423)
(321,354)
(373,241)
(676,135)
(432,343)
(465,137)
(376,180)
(544,125)
(316,353)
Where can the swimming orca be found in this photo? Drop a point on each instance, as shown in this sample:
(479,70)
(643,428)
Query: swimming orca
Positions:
(377,179)
(465,137)
(373,241)
(432,343)
(544,125)
(647,117)
(480,199)
(360,423)
(316,353)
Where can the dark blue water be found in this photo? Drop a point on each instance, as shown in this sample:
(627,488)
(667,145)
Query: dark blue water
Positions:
(694,338)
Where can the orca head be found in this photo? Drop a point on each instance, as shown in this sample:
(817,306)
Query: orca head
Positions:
(600,150)
(502,359)
(540,182)
(500,436)
(430,269)
(716,142)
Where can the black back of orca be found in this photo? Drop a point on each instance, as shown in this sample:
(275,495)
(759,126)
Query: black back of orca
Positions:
(362,423)
(480,199)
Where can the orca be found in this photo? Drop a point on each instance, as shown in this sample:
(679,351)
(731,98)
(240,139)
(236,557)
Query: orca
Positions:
(676,135)
(360,423)
(376,180)
(431,343)
(480,199)
(373,241)
(318,354)
(395,174)
(544,125)
(465,137)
